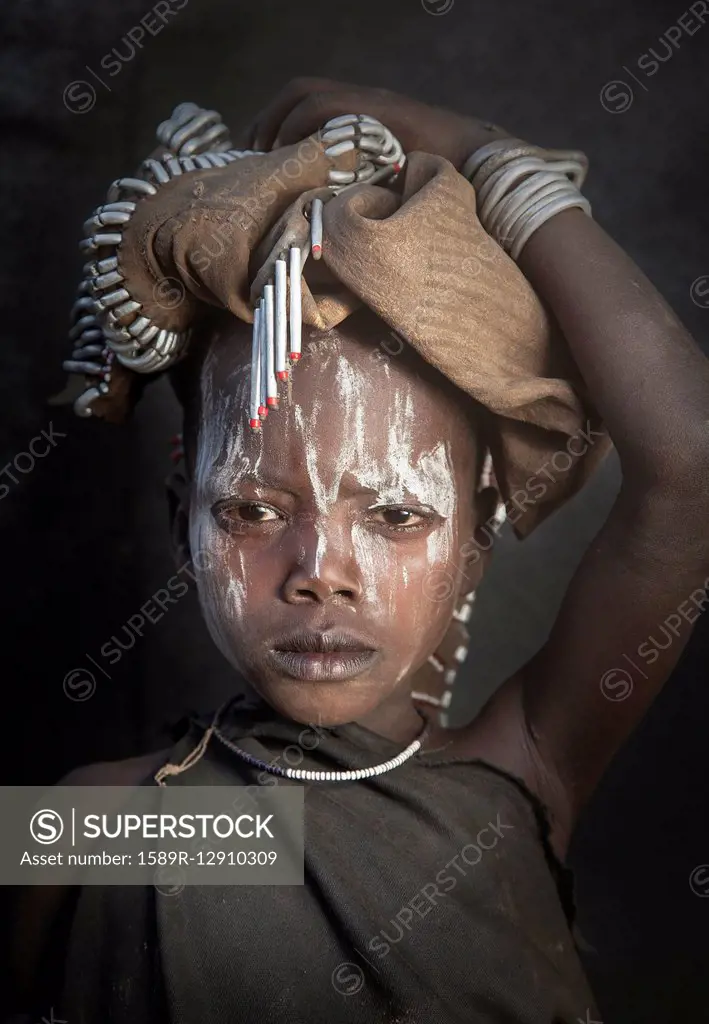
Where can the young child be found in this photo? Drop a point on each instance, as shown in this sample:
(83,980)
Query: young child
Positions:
(435,889)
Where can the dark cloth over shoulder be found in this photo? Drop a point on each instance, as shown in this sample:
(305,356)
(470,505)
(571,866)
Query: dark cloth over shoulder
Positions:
(431,896)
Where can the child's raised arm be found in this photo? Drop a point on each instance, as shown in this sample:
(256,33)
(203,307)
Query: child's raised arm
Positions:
(608,653)
(643,582)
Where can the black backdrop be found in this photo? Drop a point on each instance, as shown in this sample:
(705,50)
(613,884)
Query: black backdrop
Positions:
(84,538)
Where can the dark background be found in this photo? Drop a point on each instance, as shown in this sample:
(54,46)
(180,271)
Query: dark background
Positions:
(85,541)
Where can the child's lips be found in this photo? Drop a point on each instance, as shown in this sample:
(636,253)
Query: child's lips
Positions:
(318,666)
(325,654)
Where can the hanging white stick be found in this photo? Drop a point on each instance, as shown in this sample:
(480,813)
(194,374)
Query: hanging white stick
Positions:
(316,208)
(296,313)
(271,382)
(281,319)
(263,407)
(254,420)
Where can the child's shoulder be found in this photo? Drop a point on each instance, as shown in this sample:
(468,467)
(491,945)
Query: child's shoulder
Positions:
(39,908)
(129,772)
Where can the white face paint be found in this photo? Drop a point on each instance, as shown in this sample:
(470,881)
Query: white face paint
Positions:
(398,478)
(393,473)
(220,458)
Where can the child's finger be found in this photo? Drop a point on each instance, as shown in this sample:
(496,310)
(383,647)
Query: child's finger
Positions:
(261,134)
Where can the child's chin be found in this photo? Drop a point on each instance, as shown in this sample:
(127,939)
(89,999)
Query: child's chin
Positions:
(322,703)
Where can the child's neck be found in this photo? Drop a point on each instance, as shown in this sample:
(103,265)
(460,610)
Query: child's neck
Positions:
(398,720)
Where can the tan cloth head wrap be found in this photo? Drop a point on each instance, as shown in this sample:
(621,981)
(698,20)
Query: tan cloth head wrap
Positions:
(416,254)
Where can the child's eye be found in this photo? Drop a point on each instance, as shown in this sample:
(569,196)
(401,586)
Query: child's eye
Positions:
(253,513)
(399,518)
(239,515)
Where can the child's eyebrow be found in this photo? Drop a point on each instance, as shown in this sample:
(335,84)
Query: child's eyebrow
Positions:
(349,486)
(266,482)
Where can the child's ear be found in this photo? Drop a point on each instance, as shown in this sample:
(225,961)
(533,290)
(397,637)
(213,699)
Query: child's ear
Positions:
(487,502)
(178,505)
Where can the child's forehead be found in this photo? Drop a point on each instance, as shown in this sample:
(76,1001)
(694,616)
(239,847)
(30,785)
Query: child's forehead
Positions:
(350,415)
(346,422)
(344,367)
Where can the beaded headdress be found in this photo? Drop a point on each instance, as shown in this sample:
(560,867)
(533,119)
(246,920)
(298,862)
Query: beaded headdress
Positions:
(109,325)
(395,232)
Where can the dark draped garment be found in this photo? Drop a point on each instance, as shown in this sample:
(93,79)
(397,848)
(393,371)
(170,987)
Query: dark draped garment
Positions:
(431,896)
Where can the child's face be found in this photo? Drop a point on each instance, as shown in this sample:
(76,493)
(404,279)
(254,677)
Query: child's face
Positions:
(330,520)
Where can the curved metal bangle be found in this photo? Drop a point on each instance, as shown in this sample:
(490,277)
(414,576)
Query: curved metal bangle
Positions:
(575,156)
(191,129)
(475,161)
(107,323)
(498,160)
(90,355)
(491,214)
(549,209)
(105,311)
(503,223)
(82,405)
(492,155)
(503,181)
(380,153)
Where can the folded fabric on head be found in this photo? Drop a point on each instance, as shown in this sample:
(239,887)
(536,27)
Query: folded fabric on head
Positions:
(415,253)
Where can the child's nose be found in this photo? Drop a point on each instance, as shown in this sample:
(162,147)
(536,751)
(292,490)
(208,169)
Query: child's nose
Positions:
(324,565)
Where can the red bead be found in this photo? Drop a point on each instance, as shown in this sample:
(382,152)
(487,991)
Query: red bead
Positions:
(272,403)
(256,424)
(262,411)
(282,374)
(295,356)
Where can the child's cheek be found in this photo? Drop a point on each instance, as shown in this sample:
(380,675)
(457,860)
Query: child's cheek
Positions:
(375,566)
(393,579)
(439,546)
(221,583)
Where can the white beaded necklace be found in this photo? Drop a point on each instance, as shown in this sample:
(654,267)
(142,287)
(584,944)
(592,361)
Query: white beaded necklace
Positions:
(306,775)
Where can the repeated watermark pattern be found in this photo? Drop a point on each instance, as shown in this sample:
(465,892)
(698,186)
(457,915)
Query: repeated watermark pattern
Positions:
(79,684)
(440,584)
(393,345)
(699,291)
(617,683)
(252,210)
(170,879)
(80,95)
(169,293)
(249,212)
(292,756)
(51,1019)
(425,900)
(437,7)
(617,95)
(699,880)
(487,254)
(25,461)
(348,978)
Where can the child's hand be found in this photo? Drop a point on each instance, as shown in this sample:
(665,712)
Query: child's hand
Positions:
(305,104)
